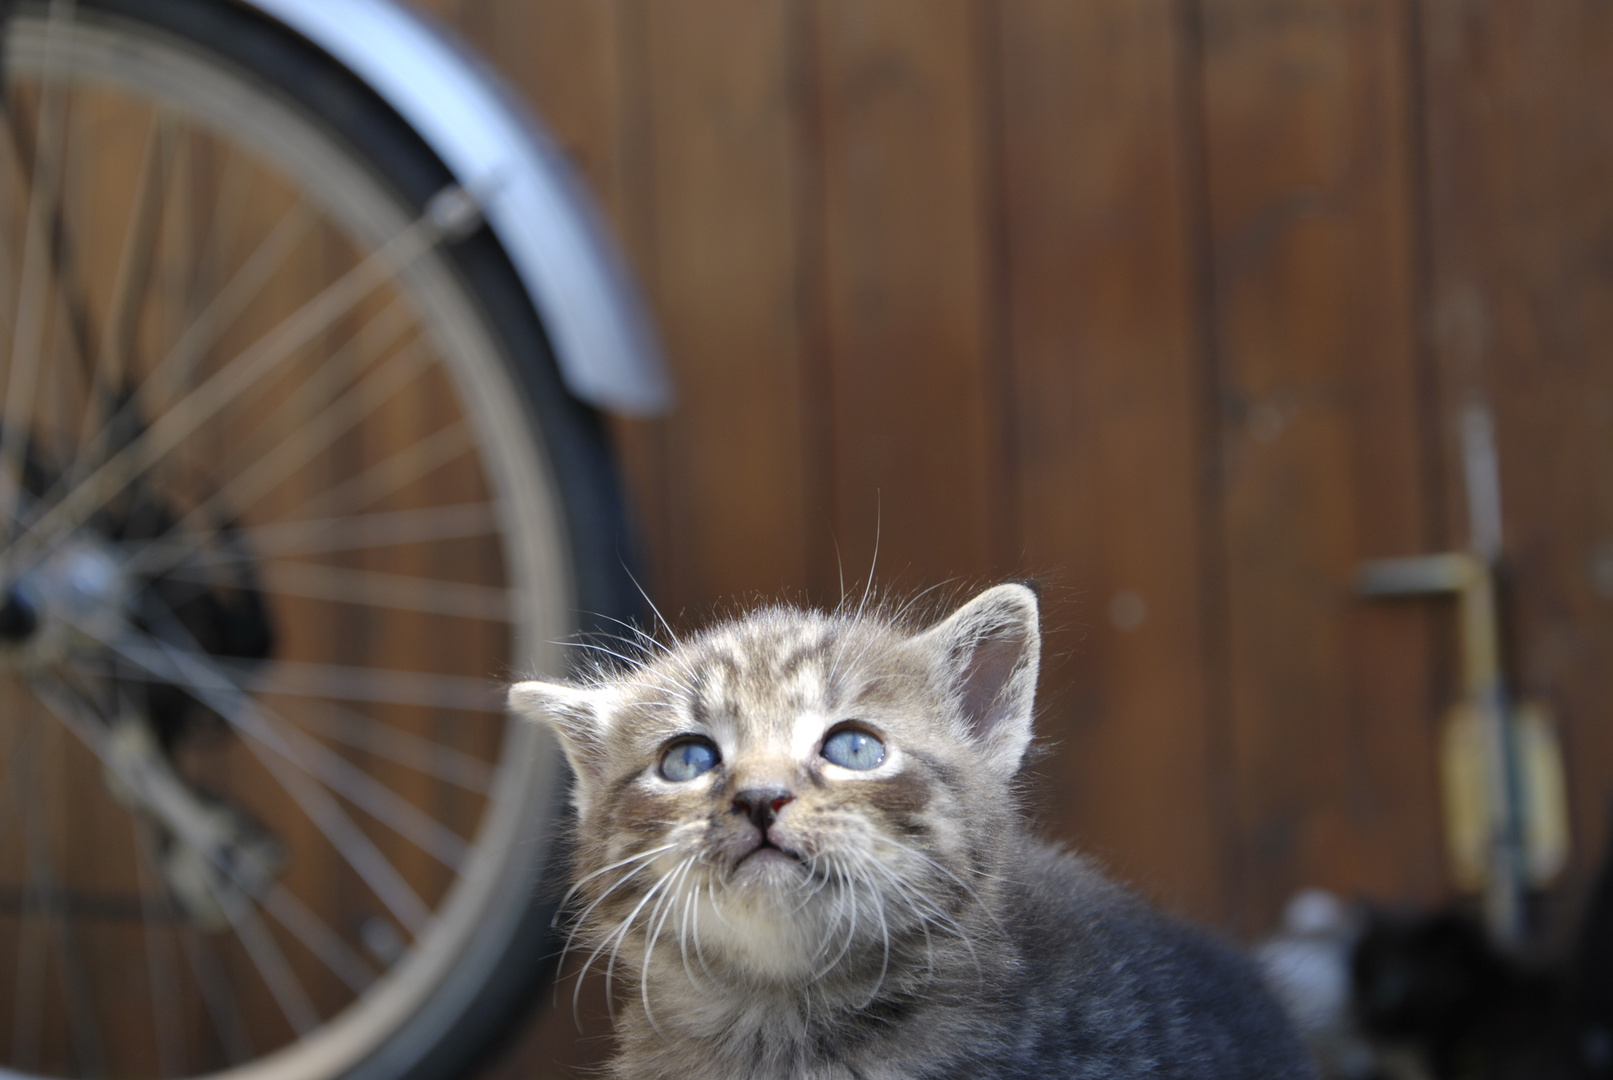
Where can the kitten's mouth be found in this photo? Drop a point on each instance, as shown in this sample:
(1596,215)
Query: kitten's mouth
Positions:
(767,851)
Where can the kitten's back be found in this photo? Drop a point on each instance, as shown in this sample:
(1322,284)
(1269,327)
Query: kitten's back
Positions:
(1113,988)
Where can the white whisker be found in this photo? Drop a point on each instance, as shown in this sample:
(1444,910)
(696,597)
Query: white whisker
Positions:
(582,921)
(607,869)
(851,934)
(649,948)
(690,899)
(619,935)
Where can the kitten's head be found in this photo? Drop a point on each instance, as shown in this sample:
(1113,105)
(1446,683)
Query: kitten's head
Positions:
(794,787)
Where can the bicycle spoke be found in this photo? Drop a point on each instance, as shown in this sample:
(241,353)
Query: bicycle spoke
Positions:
(60,398)
(272,966)
(134,270)
(178,266)
(12,172)
(338,682)
(28,337)
(28,1017)
(248,280)
(262,731)
(343,833)
(229,1023)
(390,528)
(204,322)
(318,937)
(381,802)
(204,331)
(73,308)
(198,675)
(385,741)
(70,311)
(390,474)
(223,228)
(390,686)
(307,927)
(161,969)
(272,467)
(82,1027)
(371,588)
(221,388)
(333,376)
(217,996)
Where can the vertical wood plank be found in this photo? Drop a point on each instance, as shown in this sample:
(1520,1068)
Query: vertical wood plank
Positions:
(1102,322)
(912,388)
(723,139)
(1310,201)
(581,68)
(565,59)
(1520,153)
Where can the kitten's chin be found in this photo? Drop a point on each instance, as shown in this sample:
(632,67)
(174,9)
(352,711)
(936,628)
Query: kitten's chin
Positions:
(767,880)
(764,857)
(767,920)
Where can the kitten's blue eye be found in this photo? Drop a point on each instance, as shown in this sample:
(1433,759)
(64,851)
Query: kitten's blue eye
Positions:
(687,759)
(853,749)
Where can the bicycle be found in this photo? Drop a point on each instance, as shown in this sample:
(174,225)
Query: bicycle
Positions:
(299,457)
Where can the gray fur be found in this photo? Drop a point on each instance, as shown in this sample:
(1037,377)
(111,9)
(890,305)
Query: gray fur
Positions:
(899,922)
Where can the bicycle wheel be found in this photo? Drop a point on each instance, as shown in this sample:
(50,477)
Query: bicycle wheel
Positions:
(287,482)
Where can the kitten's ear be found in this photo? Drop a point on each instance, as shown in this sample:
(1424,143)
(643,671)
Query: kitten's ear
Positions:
(577,714)
(990,649)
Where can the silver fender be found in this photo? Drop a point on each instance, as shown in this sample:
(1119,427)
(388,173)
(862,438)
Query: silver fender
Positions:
(528,194)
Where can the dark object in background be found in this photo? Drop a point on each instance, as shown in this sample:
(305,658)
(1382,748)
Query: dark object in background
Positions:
(1394,996)
(1593,979)
(1433,984)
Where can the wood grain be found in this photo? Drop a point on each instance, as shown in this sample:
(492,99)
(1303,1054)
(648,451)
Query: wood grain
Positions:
(1104,353)
(1520,152)
(1310,216)
(723,141)
(915,454)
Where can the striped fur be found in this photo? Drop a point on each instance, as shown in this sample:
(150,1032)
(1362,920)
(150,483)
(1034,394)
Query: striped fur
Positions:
(899,921)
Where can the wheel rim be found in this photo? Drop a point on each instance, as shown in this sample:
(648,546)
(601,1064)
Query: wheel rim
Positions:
(249,621)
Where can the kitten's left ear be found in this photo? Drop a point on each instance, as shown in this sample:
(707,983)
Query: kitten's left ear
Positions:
(578,715)
(990,649)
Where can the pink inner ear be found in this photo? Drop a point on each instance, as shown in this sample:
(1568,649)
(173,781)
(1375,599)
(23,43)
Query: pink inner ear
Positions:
(985,673)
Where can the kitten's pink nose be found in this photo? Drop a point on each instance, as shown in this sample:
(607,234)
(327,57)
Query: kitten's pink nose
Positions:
(762,805)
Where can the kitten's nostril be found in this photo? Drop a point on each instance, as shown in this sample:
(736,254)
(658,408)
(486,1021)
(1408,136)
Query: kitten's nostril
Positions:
(762,805)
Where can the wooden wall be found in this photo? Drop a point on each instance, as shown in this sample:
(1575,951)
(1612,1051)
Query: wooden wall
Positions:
(1174,304)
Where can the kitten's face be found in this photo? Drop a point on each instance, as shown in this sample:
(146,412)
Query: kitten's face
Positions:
(785,790)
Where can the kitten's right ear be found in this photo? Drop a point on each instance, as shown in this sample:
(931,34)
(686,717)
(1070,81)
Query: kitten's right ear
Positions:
(577,714)
(989,651)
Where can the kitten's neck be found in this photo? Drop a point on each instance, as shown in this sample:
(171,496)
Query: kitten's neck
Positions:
(726,1028)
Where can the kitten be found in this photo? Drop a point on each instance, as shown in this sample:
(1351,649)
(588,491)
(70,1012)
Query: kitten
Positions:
(798,846)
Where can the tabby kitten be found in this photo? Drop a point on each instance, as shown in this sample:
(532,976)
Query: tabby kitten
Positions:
(798,846)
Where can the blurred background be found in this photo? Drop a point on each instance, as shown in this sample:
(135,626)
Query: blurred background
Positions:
(1174,306)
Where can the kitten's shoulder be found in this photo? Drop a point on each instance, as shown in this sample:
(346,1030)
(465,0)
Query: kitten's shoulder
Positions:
(1113,987)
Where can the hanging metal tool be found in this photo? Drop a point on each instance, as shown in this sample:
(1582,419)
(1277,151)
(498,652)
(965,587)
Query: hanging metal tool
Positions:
(1501,770)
